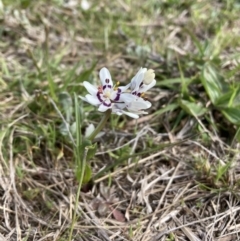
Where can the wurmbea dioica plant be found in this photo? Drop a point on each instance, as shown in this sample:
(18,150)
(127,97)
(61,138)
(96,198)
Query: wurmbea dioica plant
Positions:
(108,98)
(120,100)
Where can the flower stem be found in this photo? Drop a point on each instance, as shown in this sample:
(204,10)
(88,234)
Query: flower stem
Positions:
(100,125)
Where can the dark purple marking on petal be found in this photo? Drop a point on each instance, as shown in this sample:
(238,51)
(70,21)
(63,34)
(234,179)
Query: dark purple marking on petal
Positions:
(107,81)
(117,97)
(108,105)
(139,94)
(135,93)
(99,96)
(141,84)
(107,86)
(118,94)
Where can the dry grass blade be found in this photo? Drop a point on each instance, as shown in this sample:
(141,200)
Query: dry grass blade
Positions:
(187,231)
(160,201)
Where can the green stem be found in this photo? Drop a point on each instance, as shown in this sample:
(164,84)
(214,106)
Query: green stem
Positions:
(100,125)
(84,161)
(78,193)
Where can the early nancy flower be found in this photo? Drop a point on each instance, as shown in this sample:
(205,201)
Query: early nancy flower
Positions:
(142,81)
(105,95)
(116,98)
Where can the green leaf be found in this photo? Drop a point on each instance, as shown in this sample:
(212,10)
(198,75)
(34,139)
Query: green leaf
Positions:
(232,114)
(25,3)
(230,98)
(237,135)
(235,97)
(213,83)
(170,82)
(221,170)
(91,151)
(64,129)
(195,109)
(86,152)
(86,143)
(88,149)
(78,173)
(223,100)
(67,104)
(87,174)
(169,107)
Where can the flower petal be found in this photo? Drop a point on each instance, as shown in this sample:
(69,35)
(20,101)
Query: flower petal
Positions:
(137,79)
(133,115)
(90,88)
(139,104)
(83,98)
(127,97)
(145,87)
(105,77)
(124,88)
(104,108)
(117,111)
(119,106)
(92,100)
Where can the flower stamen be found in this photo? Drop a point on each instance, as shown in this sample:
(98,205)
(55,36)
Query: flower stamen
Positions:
(100,89)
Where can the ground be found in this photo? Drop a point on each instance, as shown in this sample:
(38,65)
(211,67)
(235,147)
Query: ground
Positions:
(172,174)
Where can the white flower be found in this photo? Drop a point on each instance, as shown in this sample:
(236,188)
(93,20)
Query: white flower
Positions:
(105,95)
(116,98)
(142,81)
